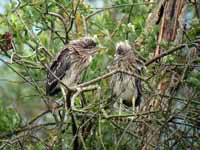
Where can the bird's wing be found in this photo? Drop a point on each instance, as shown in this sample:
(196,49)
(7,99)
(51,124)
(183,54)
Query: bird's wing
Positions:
(138,88)
(58,68)
(134,67)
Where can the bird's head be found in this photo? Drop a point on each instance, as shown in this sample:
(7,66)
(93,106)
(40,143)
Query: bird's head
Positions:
(84,43)
(122,49)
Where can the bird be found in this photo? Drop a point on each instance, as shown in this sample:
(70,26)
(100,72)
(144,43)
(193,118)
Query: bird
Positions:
(69,65)
(124,86)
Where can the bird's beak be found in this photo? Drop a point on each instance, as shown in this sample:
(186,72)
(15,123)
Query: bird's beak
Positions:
(97,50)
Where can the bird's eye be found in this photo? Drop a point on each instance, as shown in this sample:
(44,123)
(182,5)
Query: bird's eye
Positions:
(119,51)
(92,45)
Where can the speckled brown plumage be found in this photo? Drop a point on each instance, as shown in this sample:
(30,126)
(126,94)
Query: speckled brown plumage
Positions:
(70,64)
(125,86)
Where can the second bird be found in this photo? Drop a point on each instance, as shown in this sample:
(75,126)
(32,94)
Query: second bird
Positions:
(125,86)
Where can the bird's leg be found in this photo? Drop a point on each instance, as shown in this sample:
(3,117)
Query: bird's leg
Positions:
(65,96)
(99,98)
(74,97)
(120,106)
(133,104)
(98,92)
(137,109)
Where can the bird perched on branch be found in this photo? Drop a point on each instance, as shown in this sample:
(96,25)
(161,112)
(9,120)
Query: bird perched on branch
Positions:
(125,86)
(70,64)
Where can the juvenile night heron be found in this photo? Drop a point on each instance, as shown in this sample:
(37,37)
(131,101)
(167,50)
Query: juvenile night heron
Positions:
(124,86)
(70,65)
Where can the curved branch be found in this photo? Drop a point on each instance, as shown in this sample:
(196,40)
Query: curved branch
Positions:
(164,54)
